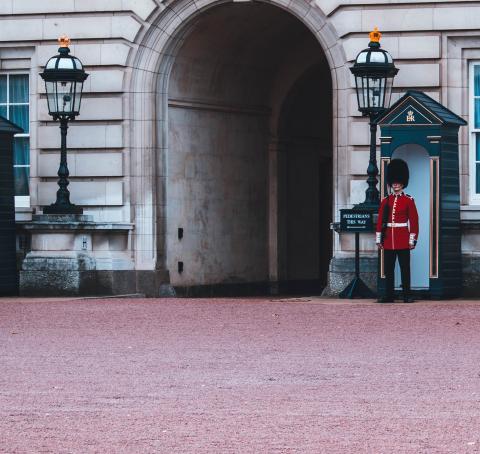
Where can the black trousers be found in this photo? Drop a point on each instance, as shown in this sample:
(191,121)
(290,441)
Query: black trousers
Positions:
(390,256)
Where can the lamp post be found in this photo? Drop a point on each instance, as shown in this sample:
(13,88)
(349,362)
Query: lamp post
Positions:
(64,77)
(374,71)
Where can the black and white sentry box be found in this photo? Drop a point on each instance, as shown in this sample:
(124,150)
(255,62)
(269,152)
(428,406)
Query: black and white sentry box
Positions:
(8,259)
(356,221)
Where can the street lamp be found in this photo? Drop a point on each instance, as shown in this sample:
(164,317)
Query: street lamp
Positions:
(374,71)
(64,76)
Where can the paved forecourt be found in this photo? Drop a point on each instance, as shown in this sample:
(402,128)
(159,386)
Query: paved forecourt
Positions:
(263,375)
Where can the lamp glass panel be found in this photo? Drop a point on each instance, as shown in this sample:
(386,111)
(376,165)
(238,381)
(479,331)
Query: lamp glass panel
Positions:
(362,57)
(65,94)
(78,96)
(51,89)
(388,92)
(65,63)
(377,57)
(360,92)
(51,63)
(374,92)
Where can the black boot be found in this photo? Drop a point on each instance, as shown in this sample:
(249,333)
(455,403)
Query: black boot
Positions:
(407,298)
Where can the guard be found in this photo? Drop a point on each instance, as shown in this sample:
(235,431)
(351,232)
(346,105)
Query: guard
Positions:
(397,229)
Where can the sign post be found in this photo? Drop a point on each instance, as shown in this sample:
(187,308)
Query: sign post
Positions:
(356,221)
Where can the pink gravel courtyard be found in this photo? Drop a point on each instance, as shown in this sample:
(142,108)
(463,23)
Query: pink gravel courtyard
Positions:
(256,375)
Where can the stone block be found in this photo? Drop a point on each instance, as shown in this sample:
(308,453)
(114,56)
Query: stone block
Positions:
(358,161)
(143,8)
(108,214)
(82,136)
(99,81)
(418,75)
(53,242)
(56,283)
(114,54)
(413,47)
(19,63)
(100,27)
(6,7)
(46,6)
(99,164)
(125,27)
(454,18)
(403,18)
(21,30)
(98,5)
(78,27)
(93,108)
(357,191)
(347,21)
(470,241)
(97,193)
(108,81)
(327,6)
(359,133)
(151,283)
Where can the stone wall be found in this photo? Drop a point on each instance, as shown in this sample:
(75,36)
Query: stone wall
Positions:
(119,144)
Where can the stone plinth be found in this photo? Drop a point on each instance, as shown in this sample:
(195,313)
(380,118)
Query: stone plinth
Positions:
(73,255)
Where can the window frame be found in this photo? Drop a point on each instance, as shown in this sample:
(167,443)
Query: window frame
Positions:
(22,201)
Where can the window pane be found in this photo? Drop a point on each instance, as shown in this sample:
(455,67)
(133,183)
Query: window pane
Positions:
(20,116)
(21,151)
(3,88)
(21,180)
(477,113)
(476,82)
(19,88)
(3,111)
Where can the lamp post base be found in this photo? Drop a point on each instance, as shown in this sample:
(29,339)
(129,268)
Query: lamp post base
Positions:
(62,209)
(356,289)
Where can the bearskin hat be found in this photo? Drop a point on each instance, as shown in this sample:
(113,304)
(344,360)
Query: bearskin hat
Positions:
(397,172)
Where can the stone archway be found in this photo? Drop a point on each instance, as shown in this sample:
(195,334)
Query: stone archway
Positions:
(150,113)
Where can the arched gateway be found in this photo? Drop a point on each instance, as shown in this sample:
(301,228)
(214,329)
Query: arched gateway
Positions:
(233,154)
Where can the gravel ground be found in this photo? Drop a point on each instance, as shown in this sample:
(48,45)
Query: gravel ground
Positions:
(304,375)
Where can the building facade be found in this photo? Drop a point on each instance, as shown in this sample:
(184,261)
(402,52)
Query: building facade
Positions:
(217,141)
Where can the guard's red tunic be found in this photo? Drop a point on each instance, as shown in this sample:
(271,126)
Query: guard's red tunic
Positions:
(402,210)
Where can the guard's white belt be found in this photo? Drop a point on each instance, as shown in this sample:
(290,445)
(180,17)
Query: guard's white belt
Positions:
(397,224)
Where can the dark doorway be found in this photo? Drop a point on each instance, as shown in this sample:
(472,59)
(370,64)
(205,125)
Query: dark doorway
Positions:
(306,137)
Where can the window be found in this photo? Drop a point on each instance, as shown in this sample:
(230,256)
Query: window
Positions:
(14,105)
(474,126)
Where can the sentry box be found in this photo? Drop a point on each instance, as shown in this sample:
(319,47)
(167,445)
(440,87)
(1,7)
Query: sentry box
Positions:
(424,133)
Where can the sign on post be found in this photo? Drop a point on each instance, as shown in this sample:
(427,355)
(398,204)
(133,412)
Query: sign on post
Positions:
(356,221)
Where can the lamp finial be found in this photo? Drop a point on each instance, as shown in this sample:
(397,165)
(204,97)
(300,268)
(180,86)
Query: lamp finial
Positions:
(64,41)
(375,36)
